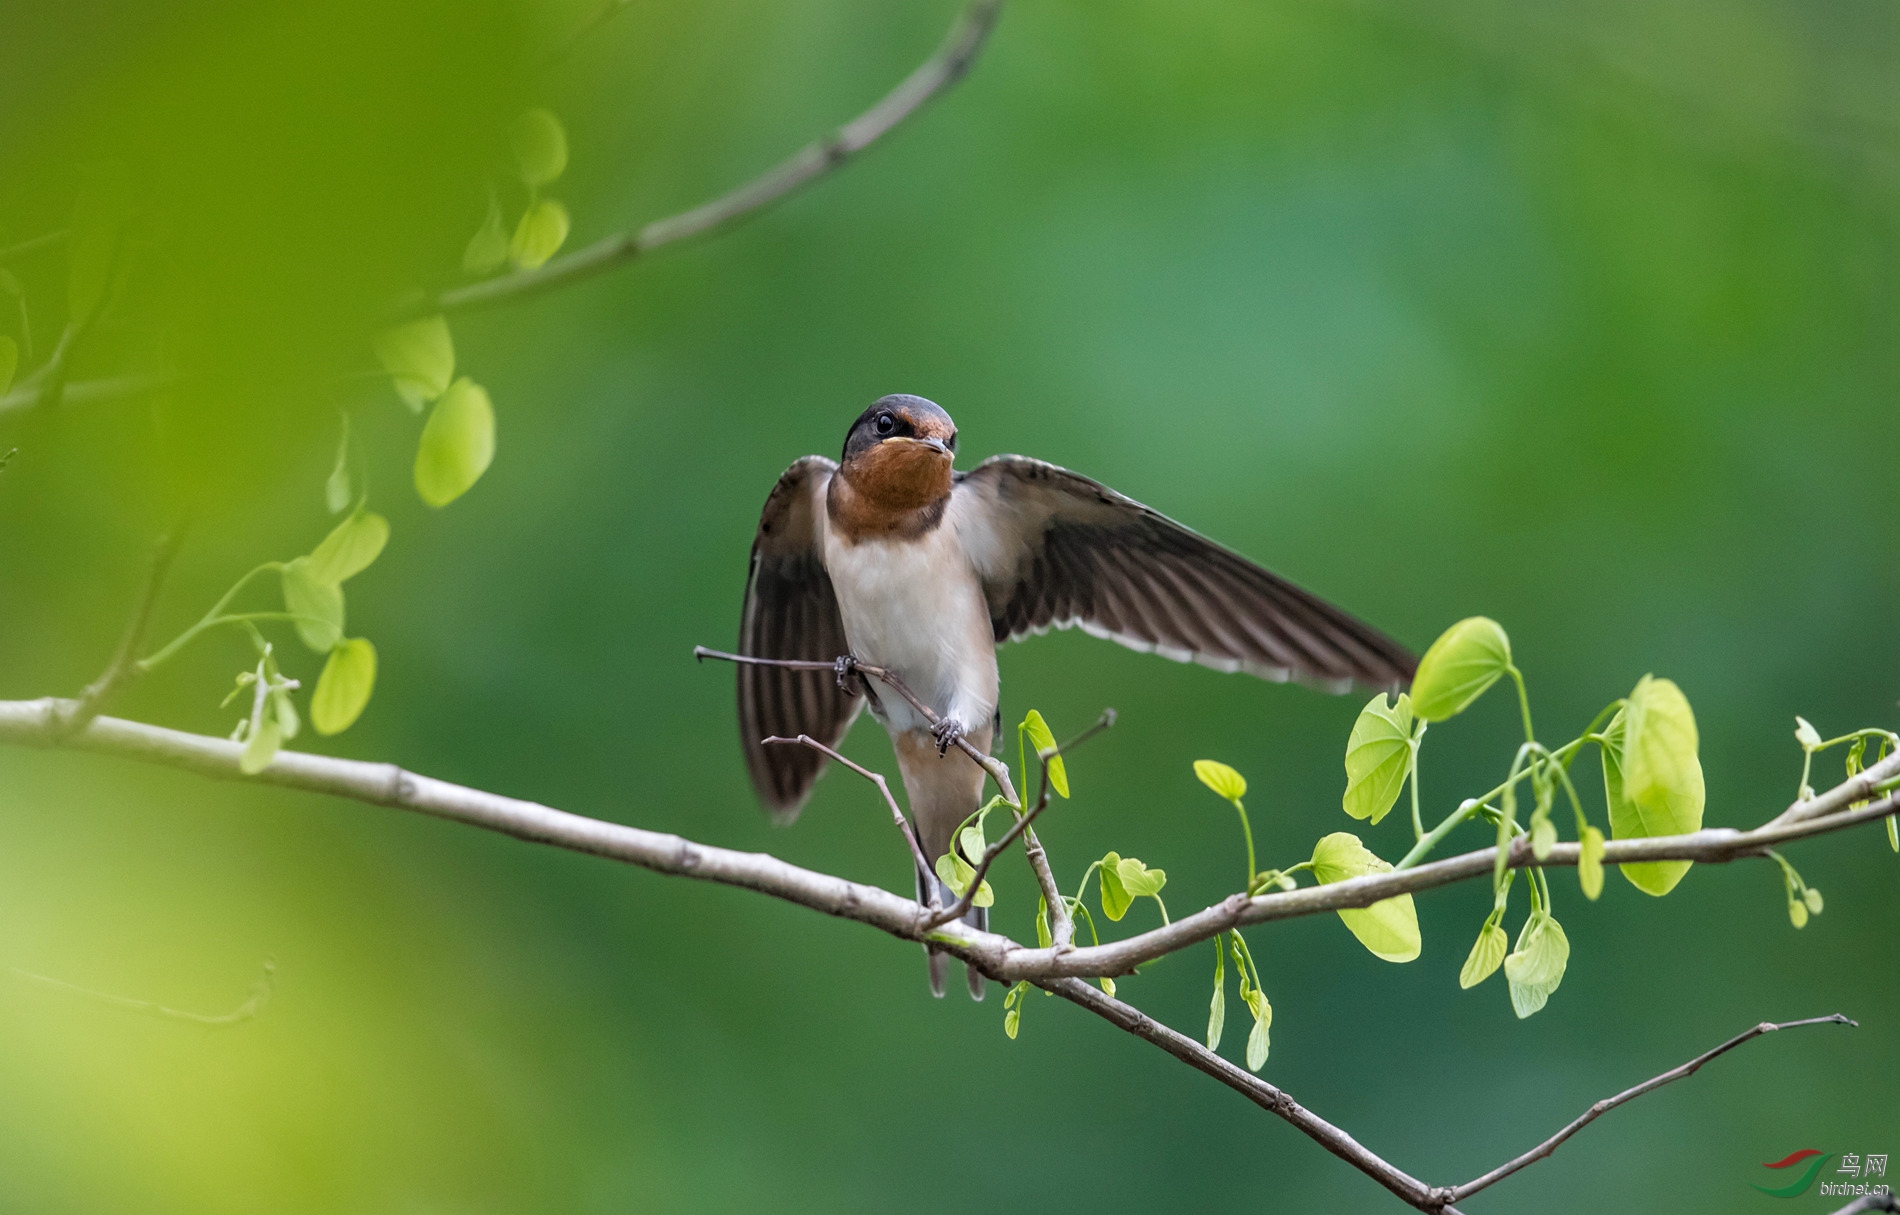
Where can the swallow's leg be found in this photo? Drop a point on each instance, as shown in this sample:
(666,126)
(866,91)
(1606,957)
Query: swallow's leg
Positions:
(946,732)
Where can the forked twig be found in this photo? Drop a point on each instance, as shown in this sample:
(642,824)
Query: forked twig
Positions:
(1460,1192)
(876,778)
(948,64)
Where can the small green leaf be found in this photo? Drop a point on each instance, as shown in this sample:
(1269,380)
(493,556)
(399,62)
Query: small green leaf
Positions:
(1115,897)
(1257,1039)
(971,841)
(1042,740)
(458,443)
(1139,880)
(1543,834)
(956,874)
(344,687)
(419,357)
(1812,898)
(349,548)
(1221,779)
(9,362)
(540,234)
(1461,666)
(317,605)
(1805,734)
(1652,777)
(1798,913)
(540,147)
(286,711)
(1378,757)
(1108,985)
(1893,834)
(1487,954)
(1043,939)
(1388,928)
(1012,1021)
(1217,1008)
(261,747)
(1536,966)
(1590,863)
(488,248)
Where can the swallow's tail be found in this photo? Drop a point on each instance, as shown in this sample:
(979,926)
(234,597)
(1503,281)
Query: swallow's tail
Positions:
(976,917)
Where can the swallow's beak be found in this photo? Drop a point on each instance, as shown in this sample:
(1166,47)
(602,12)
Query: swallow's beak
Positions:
(936,445)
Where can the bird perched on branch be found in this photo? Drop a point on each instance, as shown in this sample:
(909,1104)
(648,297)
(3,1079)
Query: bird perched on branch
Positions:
(893,558)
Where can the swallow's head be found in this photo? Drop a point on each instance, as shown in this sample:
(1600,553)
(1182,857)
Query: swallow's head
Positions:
(898,453)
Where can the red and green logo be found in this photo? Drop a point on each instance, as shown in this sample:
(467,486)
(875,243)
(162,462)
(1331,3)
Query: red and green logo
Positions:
(1816,1160)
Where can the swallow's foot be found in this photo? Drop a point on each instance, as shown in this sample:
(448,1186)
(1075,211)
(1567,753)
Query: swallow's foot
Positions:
(947,731)
(847,670)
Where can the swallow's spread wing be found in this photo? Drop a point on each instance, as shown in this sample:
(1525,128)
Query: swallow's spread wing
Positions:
(791,612)
(1056,549)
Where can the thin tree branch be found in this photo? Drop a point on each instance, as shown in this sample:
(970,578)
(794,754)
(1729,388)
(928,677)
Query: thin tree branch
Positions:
(1461,1192)
(1267,1096)
(124,667)
(949,64)
(1854,789)
(37,723)
(956,910)
(876,778)
(989,763)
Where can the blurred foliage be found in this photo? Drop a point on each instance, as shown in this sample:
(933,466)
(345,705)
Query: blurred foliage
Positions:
(1581,317)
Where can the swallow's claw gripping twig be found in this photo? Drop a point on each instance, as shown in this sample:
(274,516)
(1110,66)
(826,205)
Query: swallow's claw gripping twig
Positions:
(947,731)
(847,668)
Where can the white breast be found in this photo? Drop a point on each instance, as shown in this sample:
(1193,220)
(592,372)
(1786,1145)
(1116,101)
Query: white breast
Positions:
(916,607)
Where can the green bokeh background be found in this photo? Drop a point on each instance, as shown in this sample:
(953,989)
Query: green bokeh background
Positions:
(1582,317)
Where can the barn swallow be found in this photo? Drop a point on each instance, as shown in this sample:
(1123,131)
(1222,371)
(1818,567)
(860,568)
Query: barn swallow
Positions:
(895,559)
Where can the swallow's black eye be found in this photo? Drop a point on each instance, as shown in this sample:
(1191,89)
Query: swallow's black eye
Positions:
(885,424)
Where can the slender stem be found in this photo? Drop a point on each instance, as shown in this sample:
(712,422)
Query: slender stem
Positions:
(1428,842)
(211,619)
(897,815)
(1461,1192)
(1418,823)
(948,64)
(1523,702)
(123,668)
(1247,829)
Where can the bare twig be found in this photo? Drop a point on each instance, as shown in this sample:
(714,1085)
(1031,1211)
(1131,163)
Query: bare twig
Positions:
(955,910)
(37,722)
(124,667)
(1461,1192)
(876,778)
(989,763)
(945,67)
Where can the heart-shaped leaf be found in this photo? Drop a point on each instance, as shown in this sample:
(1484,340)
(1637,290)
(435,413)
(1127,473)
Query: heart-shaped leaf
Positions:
(1536,966)
(1221,779)
(1652,777)
(458,443)
(540,234)
(344,687)
(1115,897)
(1590,863)
(1043,740)
(350,548)
(1388,928)
(1487,954)
(1378,757)
(316,604)
(419,357)
(540,147)
(1461,666)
